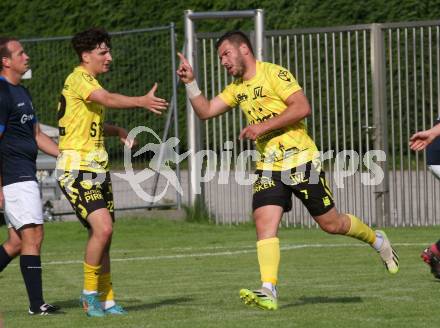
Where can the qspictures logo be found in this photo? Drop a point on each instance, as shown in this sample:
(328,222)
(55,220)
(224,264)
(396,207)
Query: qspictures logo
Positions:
(346,164)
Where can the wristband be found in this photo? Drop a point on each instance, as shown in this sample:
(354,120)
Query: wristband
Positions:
(192,89)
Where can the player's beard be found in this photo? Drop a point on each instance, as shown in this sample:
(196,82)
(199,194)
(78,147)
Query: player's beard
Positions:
(239,68)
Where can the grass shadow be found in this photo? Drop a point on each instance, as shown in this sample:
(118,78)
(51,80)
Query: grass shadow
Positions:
(323,300)
(155,305)
(68,304)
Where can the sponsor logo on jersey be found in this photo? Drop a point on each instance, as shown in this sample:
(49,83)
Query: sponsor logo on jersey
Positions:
(262,119)
(284,75)
(26,118)
(297,178)
(93,195)
(87,77)
(258,93)
(86,184)
(241,97)
(263,183)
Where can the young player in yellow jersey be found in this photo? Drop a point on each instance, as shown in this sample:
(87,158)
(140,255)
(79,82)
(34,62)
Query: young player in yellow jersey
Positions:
(275,106)
(83,166)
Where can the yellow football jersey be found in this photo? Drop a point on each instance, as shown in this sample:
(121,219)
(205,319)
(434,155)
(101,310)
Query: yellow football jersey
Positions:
(262,98)
(80,124)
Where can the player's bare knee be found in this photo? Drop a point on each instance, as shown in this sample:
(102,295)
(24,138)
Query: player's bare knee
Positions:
(332,222)
(37,245)
(104,233)
(332,227)
(16,246)
(108,231)
(335,225)
(31,246)
(13,246)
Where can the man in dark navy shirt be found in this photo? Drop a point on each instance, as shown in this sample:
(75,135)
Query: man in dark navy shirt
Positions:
(20,139)
(430,139)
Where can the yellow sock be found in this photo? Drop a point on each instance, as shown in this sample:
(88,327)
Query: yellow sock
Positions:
(91,274)
(360,230)
(105,288)
(268,251)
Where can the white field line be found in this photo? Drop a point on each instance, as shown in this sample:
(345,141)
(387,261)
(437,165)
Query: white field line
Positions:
(226,253)
(177,249)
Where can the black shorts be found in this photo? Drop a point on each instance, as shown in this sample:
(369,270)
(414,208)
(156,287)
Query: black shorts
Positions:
(307,182)
(87,192)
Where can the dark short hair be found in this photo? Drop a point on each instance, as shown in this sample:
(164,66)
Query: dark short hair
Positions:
(89,39)
(4,51)
(235,37)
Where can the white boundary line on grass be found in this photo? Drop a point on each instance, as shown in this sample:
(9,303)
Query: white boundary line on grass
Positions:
(178,249)
(225,253)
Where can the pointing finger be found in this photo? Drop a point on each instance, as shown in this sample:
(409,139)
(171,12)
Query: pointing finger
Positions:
(182,58)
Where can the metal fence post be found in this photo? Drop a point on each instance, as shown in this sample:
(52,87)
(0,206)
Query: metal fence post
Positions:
(380,134)
(172,113)
(174,105)
(259,34)
(193,127)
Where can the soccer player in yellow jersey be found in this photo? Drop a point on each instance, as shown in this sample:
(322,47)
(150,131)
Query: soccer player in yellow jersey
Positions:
(275,107)
(83,166)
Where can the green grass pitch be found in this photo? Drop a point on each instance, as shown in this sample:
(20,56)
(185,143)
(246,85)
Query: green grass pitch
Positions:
(179,274)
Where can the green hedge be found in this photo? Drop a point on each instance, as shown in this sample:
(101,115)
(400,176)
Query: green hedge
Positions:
(25,18)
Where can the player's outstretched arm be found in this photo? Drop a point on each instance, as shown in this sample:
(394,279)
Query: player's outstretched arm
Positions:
(116,100)
(116,131)
(422,139)
(203,107)
(45,143)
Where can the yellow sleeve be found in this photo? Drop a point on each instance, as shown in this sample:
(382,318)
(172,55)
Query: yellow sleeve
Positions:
(228,95)
(84,84)
(283,82)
